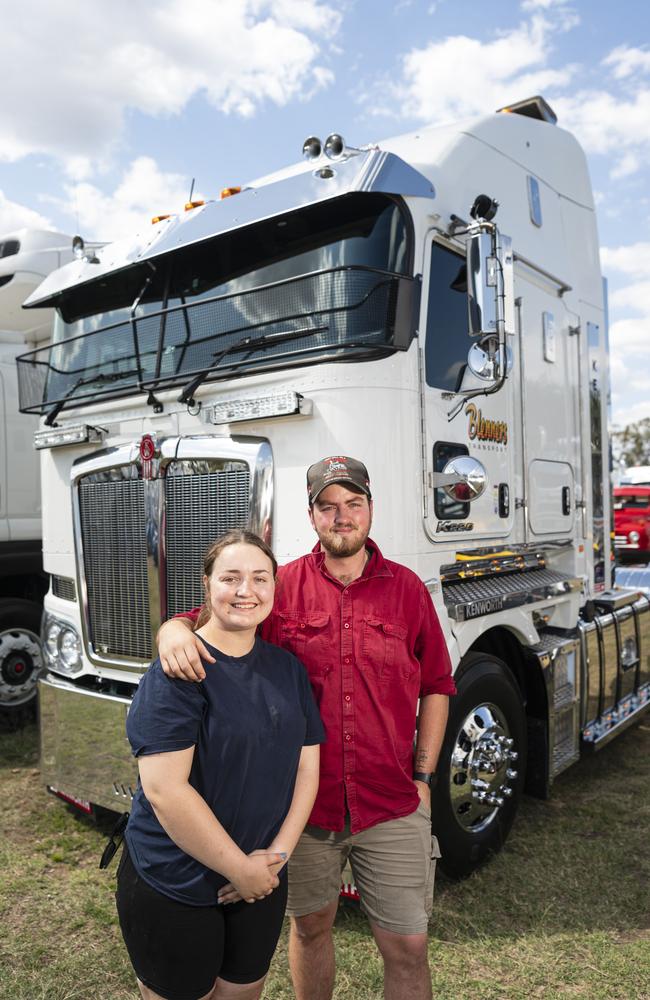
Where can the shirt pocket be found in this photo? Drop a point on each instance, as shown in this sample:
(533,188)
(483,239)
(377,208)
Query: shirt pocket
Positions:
(307,634)
(385,650)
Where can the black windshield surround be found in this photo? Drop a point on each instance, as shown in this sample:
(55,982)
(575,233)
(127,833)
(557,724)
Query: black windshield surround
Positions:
(329,283)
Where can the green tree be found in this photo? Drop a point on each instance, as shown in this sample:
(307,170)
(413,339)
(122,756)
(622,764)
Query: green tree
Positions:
(631,445)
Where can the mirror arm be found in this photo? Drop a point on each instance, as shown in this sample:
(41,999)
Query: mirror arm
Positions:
(447,479)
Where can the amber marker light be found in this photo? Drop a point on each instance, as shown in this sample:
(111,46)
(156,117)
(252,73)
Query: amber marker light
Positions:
(230,191)
(159,218)
(189,205)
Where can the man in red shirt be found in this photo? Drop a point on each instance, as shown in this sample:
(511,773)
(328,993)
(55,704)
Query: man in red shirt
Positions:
(368,634)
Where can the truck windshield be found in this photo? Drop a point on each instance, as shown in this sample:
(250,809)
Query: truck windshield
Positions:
(320,284)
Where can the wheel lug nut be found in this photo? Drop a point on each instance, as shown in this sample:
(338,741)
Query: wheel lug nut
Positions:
(513,755)
(511,775)
(507,791)
(509,742)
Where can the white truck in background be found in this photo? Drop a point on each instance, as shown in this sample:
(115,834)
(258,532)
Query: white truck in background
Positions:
(26,257)
(198,369)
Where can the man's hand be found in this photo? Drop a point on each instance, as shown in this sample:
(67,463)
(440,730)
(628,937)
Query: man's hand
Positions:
(424,792)
(180,651)
(258,878)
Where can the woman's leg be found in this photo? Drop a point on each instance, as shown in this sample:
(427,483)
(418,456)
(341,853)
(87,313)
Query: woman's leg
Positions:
(250,939)
(148,994)
(237,991)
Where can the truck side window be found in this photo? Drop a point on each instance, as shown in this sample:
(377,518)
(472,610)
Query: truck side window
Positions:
(446,507)
(447,342)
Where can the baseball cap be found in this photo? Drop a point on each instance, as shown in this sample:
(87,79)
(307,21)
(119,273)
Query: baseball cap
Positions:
(336,469)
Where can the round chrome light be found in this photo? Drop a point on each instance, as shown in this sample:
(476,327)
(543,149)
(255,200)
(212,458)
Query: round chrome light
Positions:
(634,537)
(311,148)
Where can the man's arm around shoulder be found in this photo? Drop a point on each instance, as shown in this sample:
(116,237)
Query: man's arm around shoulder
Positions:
(180,649)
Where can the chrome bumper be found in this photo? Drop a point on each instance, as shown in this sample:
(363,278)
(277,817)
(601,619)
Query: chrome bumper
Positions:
(84,750)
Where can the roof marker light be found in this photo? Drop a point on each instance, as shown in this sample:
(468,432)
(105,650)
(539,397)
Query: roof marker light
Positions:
(159,218)
(189,205)
(228,192)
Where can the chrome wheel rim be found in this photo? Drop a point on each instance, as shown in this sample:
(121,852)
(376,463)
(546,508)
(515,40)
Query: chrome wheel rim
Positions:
(21,665)
(481,776)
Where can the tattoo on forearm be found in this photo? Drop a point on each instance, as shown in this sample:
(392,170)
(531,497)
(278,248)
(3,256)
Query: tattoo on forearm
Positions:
(421,758)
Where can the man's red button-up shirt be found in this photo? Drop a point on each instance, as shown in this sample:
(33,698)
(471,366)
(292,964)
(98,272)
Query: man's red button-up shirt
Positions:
(371,648)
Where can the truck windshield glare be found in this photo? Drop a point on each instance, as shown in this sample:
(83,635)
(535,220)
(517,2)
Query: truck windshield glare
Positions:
(242,302)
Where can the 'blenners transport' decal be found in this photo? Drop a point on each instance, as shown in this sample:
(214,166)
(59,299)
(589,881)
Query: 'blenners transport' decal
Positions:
(481,429)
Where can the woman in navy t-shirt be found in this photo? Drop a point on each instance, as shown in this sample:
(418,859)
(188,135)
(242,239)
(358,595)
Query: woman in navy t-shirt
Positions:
(228,776)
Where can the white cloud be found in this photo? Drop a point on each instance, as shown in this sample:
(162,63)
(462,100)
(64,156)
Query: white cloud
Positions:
(631,335)
(607,124)
(626,61)
(83,67)
(631,412)
(144,191)
(15,216)
(461,76)
(633,259)
(635,297)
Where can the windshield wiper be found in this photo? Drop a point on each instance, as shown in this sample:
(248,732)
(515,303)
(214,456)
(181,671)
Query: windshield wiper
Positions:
(187,395)
(90,380)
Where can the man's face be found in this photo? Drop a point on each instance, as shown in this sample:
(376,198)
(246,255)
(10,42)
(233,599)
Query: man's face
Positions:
(341,518)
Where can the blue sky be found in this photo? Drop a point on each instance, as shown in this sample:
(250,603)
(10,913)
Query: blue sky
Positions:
(113,108)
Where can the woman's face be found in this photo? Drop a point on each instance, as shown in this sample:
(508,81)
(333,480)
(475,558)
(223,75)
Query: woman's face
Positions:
(240,589)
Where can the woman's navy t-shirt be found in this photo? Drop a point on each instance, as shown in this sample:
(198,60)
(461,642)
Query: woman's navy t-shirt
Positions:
(249,720)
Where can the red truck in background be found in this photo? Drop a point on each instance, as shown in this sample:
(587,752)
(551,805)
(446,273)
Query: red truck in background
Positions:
(632,523)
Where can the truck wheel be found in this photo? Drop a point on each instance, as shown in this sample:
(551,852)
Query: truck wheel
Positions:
(21,657)
(482,764)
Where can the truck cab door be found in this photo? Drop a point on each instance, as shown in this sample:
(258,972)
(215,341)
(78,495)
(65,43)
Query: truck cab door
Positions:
(482,427)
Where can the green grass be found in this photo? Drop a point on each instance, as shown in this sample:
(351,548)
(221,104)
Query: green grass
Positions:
(563,911)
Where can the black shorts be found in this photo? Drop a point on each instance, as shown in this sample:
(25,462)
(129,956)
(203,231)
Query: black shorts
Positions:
(178,951)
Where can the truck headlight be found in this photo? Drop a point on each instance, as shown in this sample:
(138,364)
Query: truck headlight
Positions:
(51,635)
(62,646)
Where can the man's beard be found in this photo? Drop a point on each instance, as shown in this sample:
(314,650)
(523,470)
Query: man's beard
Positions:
(343,545)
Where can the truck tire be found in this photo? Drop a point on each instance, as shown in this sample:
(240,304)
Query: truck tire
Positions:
(21,656)
(482,765)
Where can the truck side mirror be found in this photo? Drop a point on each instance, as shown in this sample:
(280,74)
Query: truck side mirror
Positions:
(482,283)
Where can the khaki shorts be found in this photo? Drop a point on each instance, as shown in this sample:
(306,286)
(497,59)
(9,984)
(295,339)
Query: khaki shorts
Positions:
(393,864)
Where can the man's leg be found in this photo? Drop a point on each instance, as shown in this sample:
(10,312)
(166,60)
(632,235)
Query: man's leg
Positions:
(394,869)
(314,883)
(406,964)
(311,954)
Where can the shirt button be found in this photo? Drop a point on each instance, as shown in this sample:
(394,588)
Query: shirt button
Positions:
(347,625)
(302,624)
(348,777)
(347,659)
(348,698)
(348,737)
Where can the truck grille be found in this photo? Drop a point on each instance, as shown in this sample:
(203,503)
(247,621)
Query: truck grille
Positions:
(199,507)
(115,562)
(126,567)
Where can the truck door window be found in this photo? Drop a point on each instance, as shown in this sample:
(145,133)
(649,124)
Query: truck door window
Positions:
(446,507)
(447,342)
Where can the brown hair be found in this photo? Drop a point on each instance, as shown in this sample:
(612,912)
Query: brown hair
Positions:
(231,538)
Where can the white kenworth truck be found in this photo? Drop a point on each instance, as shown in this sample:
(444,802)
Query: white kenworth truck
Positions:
(26,257)
(199,369)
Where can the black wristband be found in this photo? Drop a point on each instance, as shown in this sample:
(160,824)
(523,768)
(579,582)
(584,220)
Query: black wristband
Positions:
(427,777)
